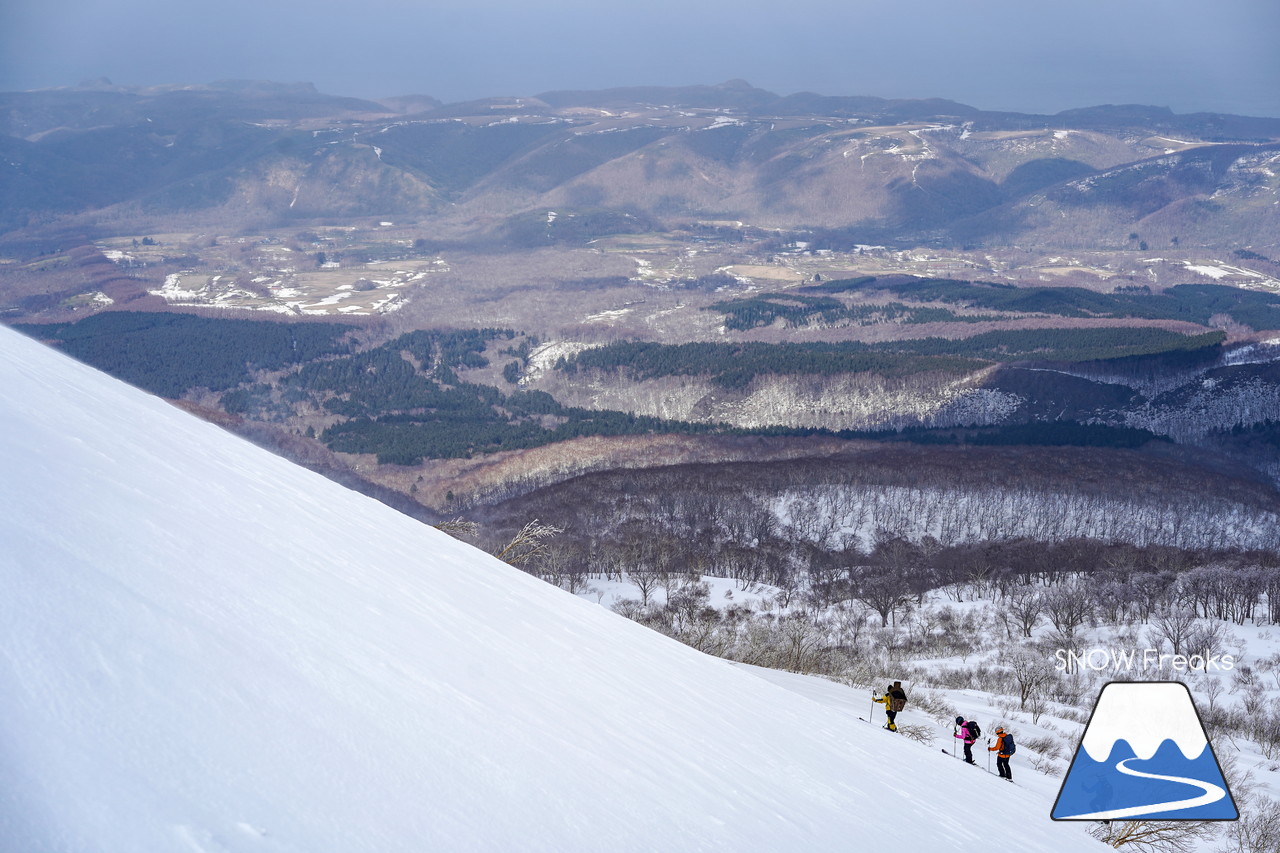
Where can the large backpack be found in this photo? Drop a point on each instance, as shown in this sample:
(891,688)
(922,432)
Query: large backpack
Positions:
(975,730)
(1009,746)
(898,699)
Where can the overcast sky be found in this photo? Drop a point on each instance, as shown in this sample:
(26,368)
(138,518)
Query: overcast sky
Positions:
(1025,55)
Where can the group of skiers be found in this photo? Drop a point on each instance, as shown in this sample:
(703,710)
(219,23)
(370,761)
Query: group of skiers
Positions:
(966,731)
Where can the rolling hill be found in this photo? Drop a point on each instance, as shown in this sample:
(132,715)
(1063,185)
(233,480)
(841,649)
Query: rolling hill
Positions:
(850,169)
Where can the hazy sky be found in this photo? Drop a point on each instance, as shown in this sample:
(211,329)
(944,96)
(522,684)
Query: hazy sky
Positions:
(1026,55)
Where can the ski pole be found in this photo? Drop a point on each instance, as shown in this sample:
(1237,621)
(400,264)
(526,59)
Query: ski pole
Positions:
(953,741)
(988,757)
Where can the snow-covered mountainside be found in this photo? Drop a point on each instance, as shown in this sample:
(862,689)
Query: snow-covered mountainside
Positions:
(204,647)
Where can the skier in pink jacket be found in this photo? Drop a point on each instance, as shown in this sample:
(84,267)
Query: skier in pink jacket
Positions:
(968,732)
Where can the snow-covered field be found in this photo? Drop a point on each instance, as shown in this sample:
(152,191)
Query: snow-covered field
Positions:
(287,292)
(204,647)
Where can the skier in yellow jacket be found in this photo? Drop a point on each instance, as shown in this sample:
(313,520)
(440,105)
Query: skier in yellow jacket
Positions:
(894,700)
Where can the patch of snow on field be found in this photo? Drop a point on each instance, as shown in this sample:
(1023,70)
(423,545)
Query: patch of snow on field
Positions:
(332,299)
(607,316)
(391,302)
(1219,270)
(741,279)
(543,358)
(1212,272)
(172,289)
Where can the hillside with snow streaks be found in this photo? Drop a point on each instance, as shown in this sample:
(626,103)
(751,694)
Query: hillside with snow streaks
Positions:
(204,647)
(846,401)
(831,515)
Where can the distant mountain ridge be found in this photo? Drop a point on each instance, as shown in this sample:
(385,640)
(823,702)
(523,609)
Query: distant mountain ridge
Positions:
(855,169)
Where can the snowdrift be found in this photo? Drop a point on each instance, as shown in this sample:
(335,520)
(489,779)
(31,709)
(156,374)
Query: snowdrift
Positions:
(204,647)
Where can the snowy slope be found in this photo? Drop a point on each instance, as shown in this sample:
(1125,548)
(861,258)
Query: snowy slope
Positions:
(204,647)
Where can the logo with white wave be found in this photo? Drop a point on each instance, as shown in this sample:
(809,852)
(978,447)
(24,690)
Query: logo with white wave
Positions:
(1145,755)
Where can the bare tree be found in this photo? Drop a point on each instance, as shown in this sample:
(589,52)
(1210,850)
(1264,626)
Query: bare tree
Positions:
(1149,589)
(1271,584)
(528,543)
(1024,606)
(1257,830)
(1266,729)
(1163,836)
(646,581)
(1031,673)
(1175,626)
(1207,637)
(883,592)
(1068,605)
(1212,689)
(849,623)
(801,640)
(459,528)
(562,565)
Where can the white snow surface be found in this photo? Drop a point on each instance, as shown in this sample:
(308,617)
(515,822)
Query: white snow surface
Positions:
(204,647)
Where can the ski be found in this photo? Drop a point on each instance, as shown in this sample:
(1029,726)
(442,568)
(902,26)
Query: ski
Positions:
(886,728)
(976,764)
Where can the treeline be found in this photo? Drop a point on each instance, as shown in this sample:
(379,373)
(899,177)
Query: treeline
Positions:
(1039,434)
(797,310)
(169,354)
(816,614)
(1265,432)
(1193,303)
(735,365)
(1074,345)
(801,310)
(404,402)
(841,285)
(401,439)
(573,227)
(954,496)
(414,371)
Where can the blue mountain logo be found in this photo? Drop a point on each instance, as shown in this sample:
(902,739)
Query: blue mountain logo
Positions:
(1144,754)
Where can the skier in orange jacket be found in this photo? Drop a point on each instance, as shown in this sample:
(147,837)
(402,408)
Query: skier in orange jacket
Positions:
(1003,749)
